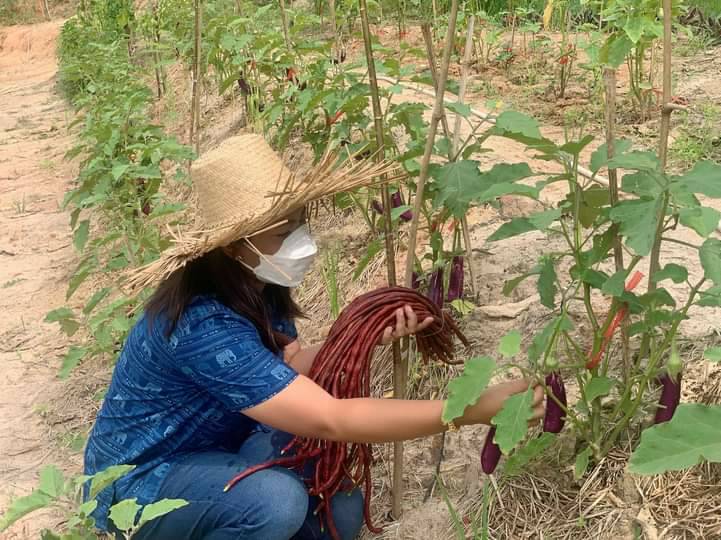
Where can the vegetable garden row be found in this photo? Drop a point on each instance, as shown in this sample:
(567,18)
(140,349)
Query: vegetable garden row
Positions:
(293,66)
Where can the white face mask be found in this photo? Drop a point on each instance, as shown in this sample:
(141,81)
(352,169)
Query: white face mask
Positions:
(288,266)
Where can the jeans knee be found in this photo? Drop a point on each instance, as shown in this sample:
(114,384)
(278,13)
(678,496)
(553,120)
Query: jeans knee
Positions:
(348,513)
(281,503)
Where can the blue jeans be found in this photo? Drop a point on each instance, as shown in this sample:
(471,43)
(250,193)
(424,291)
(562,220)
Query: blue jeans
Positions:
(268,505)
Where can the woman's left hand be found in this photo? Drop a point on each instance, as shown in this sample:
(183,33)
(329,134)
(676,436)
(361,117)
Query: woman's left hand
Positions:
(406,324)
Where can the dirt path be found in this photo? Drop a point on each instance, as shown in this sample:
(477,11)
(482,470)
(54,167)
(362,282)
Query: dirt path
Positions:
(36,256)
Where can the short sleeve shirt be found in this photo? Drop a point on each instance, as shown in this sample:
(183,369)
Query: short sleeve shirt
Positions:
(171,396)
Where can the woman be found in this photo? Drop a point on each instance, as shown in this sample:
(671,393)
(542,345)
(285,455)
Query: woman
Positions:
(212,379)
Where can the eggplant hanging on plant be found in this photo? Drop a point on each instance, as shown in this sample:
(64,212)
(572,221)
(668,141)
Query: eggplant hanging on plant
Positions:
(670,387)
(491,453)
(455,280)
(435,287)
(396,201)
(555,415)
(377,206)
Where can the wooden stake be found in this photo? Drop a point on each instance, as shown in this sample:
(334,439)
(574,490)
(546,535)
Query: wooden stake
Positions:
(609,76)
(284,22)
(195,105)
(400,364)
(428,39)
(432,128)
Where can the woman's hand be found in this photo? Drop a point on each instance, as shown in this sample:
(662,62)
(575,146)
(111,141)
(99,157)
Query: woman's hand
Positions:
(406,324)
(290,351)
(493,398)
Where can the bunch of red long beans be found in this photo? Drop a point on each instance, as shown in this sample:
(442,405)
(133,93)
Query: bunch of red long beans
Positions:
(342,368)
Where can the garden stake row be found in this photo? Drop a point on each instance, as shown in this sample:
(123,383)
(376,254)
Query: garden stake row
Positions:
(343,368)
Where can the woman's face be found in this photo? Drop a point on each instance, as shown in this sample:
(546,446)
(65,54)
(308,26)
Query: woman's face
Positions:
(267,242)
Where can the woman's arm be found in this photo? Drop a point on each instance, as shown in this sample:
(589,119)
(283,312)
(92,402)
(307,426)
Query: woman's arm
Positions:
(304,408)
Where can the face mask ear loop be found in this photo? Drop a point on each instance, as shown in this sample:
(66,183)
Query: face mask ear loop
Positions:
(260,254)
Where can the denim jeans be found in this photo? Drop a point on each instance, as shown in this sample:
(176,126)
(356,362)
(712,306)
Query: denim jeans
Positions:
(272,504)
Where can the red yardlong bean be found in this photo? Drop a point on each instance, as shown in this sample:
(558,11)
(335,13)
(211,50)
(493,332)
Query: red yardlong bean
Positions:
(342,367)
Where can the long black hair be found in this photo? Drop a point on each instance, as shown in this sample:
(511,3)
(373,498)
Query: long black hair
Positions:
(221,276)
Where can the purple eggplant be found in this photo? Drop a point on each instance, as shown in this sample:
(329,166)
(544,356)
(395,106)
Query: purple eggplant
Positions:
(491,453)
(670,397)
(435,287)
(377,206)
(455,280)
(555,415)
(415,281)
(396,201)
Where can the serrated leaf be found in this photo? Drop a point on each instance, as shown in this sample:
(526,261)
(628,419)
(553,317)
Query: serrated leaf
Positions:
(159,509)
(674,272)
(527,453)
(710,255)
(690,437)
(52,481)
(465,389)
(71,359)
(704,178)
(22,506)
(106,477)
(579,469)
(701,219)
(510,344)
(713,354)
(599,158)
(637,219)
(123,514)
(598,386)
(512,420)
(59,314)
(547,283)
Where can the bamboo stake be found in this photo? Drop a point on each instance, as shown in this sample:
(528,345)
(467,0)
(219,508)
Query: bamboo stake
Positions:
(400,363)
(432,128)
(45,8)
(195,104)
(609,76)
(431,55)
(284,22)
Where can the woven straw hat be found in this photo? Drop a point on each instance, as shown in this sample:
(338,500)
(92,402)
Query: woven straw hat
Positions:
(241,189)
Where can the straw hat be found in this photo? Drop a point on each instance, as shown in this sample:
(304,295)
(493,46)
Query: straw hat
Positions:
(242,188)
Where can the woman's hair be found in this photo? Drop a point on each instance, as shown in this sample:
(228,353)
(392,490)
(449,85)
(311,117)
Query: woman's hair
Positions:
(217,274)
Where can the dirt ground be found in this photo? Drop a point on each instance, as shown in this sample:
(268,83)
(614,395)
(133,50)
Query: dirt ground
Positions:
(40,416)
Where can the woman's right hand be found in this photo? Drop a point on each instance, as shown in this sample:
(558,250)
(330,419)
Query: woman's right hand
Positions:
(492,400)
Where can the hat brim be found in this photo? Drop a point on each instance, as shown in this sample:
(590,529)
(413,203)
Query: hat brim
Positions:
(325,179)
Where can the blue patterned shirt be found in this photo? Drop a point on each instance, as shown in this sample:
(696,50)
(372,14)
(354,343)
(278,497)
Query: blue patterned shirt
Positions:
(172,396)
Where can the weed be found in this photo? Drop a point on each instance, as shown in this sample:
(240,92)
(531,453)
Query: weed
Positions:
(12,282)
(699,137)
(19,206)
(48,165)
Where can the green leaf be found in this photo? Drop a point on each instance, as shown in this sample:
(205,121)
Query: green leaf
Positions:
(641,183)
(637,219)
(123,514)
(581,465)
(97,297)
(541,339)
(88,507)
(690,437)
(701,219)
(674,272)
(637,160)
(614,51)
(704,178)
(535,222)
(462,109)
(634,28)
(465,389)
(511,284)
(52,481)
(512,420)
(459,182)
(710,255)
(71,359)
(22,506)
(159,509)
(575,147)
(464,307)
(65,318)
(516,122)
(119,169)
(373,249)
(547,283)
(525,454)
(510,344)
(599,386)
(80,236)
(616,284)
(106,477)
(713,354)
(599,158)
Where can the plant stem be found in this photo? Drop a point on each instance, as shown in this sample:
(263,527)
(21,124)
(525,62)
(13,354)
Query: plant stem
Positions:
(428,39)
(432,128)
(400,364)
(284,23)
(195,105)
